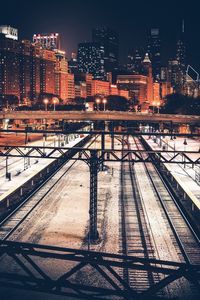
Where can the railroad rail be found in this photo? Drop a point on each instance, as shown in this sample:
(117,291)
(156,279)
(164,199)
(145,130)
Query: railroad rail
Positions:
(14,219)
(185,236)
(135,235)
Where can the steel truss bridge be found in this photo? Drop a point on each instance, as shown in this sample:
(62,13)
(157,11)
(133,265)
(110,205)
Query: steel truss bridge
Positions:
(34,264)
(30,258)
(95,159)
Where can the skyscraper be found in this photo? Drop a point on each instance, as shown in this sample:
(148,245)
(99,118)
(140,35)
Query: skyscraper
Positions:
(110,41)
(91,60)
(134,64)
(9,67)
(61,74)
(154,51)
(73,64)
(181,48)
(47,72)
(181,57)
(148,72)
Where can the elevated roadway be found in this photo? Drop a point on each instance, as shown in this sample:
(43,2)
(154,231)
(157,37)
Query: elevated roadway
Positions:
(99,116)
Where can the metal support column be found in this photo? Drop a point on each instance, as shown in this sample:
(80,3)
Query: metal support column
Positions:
(6,166)
(112,136)
(102,148)
(93,233)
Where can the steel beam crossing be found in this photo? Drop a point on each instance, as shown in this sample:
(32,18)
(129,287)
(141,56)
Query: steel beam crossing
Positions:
(127,131)
(33,272)
(107,155)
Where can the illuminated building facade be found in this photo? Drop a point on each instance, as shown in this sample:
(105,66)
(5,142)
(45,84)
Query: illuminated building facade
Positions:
(70,87)
(47,72)
(114,89)
(135,84)
(61,71)
(100,87)
(83,84)
(47,41)
(73,64)
(9,67)
(148,72)
(166,89)
(9,32)
(25,70)
(35,72)
(91,60)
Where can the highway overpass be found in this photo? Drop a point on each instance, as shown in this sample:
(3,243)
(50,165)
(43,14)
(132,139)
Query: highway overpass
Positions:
(98,116)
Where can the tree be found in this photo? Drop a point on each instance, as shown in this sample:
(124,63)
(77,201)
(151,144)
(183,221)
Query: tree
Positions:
(117,103)
(181,104)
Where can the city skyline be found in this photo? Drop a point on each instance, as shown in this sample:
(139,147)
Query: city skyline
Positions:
(132,21)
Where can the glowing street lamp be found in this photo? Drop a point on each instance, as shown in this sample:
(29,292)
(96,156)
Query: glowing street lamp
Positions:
(104,103)
(153,103)
(158,106)
(46,101)
(98,100)
(55,101)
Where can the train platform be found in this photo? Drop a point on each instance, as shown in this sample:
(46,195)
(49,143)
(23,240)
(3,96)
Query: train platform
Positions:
(187,176)
(23,169)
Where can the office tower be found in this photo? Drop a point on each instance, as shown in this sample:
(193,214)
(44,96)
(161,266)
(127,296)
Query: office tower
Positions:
(70,87)
(154,50)
(181,49)
(9,32)
(25,70)
(61,71)
(47,72)
(110,41)
(47,41)
(134,64)
(91,60)
(181,58)
(83,78)
(35,72)
(175,75)
(9,68)
(73,64)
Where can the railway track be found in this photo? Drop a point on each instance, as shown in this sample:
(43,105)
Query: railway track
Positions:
(16,217)
(186,240)
(135,234)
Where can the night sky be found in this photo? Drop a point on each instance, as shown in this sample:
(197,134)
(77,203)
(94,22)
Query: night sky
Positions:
(75,19)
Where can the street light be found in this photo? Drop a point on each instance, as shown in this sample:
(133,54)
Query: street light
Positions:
(55,100)
(153,103)
(98,100)
(104,103)
(158,106)
(46,101)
